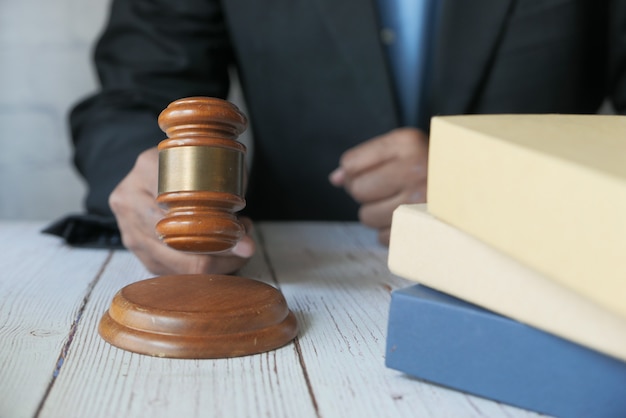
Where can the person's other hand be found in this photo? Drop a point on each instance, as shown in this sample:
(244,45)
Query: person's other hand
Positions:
(383,173)
(134,206)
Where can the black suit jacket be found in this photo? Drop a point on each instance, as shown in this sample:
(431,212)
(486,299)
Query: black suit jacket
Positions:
(317,82)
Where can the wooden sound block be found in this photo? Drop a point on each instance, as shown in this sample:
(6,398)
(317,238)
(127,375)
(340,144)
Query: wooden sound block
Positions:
(198,316)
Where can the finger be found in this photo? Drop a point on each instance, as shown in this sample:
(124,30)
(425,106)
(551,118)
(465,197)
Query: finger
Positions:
(382,163)
(367,155)
(384,236)
(337,177)
(140,237)
(146,168)
(362,157)
(378,183)
(136,218)
(161,259)
(392,178)
(245,248)
(378,214)
(157,255)
(380,149)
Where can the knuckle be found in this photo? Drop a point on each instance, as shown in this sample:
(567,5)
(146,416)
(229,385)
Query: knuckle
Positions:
(357,192)
(364,215)
(410,140)
(384,236)
(347,160)
(116,201)
(414,195)
(156,268)
(141,161)
(146,160)
(129,242)
(202,265)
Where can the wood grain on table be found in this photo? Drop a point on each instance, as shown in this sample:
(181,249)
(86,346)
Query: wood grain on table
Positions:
(334,276)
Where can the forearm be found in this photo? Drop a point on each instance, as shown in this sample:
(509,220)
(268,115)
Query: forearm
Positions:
(150,54)
(616,14)
(107,140)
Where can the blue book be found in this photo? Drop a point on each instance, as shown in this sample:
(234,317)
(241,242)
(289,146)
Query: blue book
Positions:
(444,340)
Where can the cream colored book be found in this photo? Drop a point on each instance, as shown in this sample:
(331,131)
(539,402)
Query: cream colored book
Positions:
(548,190)
(435,254)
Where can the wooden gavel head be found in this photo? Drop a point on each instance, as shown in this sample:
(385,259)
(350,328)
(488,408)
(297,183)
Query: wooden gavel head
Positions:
(201,175)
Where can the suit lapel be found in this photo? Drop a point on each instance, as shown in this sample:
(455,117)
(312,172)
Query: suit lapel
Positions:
(354,26)
(469,33)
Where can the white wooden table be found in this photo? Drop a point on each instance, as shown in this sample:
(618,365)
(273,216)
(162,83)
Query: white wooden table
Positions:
(334,276)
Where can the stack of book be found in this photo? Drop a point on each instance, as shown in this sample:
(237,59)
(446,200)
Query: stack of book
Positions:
(520,256)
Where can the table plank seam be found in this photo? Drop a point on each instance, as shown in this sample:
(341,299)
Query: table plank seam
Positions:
(307,379)
(296,340)
(72,332)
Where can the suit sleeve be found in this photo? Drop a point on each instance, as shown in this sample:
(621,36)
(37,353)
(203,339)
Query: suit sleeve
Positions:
(617,54)
(151,53)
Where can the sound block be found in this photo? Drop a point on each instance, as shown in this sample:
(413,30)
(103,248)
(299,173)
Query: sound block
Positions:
(198,316)
(448,341)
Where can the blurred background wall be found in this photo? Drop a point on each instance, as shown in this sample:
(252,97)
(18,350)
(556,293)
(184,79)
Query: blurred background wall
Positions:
(45,67)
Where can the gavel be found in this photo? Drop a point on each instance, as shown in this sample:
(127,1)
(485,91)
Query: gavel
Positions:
(201,174)
(201,187)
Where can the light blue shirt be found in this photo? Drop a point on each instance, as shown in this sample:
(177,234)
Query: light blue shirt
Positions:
(408,32)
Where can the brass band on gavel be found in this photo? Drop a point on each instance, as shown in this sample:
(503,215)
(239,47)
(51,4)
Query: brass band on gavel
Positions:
(201,168)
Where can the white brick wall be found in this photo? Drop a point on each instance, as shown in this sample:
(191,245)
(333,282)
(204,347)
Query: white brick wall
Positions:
(45,67)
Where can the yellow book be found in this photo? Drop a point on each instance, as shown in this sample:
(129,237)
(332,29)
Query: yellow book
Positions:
(547,190)
(435,254)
